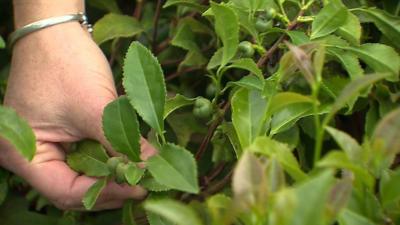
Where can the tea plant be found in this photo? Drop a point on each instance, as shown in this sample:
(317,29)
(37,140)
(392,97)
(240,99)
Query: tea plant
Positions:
(263,112)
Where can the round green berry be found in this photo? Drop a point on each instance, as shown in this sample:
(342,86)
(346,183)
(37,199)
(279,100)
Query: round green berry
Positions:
(113,162)
(120,173)
(246,48)
(202,108)
(270,14)
(211,90)
(263,25)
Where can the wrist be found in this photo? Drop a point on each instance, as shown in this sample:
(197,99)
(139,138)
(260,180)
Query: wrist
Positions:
(28,11)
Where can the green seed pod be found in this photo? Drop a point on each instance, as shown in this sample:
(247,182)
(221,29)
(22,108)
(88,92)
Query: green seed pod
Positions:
(270,14)
(246,48)
(113,162)
(120,173)
(202,108)
(211,90)
(263,25)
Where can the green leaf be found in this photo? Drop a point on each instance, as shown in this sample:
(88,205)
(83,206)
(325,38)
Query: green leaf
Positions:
(249,82)
(133,174)
(227,28)
(388,131)
(216,59)
(109,5)
(248,181)
(185,38)
(388,24)
(89,158)
(329,19)
(288,116)
(197,26)
(93,193)
(115,26)
(348,217)
(127,213)
(2,43)
(353,89)
(184,125)
(174,167)
(315,193)
(381,58)
(188,3)
(151,184)
(271,148)
(18,132)
(246,21)
(392,6)
(299,57)
(284,99)
(252,5)
(155,219)
(145,86)
(192,59)
(298,37)
(247,64)
(338,159)
(248,115)
(390,189)
(229,130)
(173,211)
(351,29)
(219,206)
(371,119)
(346,143)
(121,128)
(177,102)
(349,61)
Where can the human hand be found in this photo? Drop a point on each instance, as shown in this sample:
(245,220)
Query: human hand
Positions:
(60,83)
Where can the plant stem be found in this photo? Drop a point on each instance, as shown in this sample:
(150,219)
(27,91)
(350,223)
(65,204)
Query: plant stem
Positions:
(274,47)
(305,7)
(155,24)
(138,9)
(210,132)
(319,130)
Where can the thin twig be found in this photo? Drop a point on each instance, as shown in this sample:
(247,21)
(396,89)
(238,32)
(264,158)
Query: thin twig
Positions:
(210,132)
(114,52)
(219,185)
(180,72)
(162,46)
(155,23)
(138,9)
(263,60)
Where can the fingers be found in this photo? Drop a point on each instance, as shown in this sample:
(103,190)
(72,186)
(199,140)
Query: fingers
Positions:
(147,150)
(53,178)
(112,196)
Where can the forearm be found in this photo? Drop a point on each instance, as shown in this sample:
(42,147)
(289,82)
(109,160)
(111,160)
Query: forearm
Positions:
(28,11)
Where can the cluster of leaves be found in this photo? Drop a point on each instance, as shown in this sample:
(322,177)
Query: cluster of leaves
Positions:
(263,112)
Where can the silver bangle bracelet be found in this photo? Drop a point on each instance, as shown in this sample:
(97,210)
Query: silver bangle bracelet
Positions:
(38,25)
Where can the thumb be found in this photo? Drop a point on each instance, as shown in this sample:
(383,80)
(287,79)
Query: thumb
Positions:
(53,178)
(89,119)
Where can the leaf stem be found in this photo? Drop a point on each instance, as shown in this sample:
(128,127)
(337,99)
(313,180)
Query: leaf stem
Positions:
(155,24)
(210,132)
(271,51)
(319,129)
(138,9)
(305,7)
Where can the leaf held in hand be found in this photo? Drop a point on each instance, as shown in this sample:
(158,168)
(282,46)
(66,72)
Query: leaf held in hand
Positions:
(174,167)
(144,85)
(121,128)
(18,132)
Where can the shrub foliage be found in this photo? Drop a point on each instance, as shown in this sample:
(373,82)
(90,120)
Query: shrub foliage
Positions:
(263,111)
